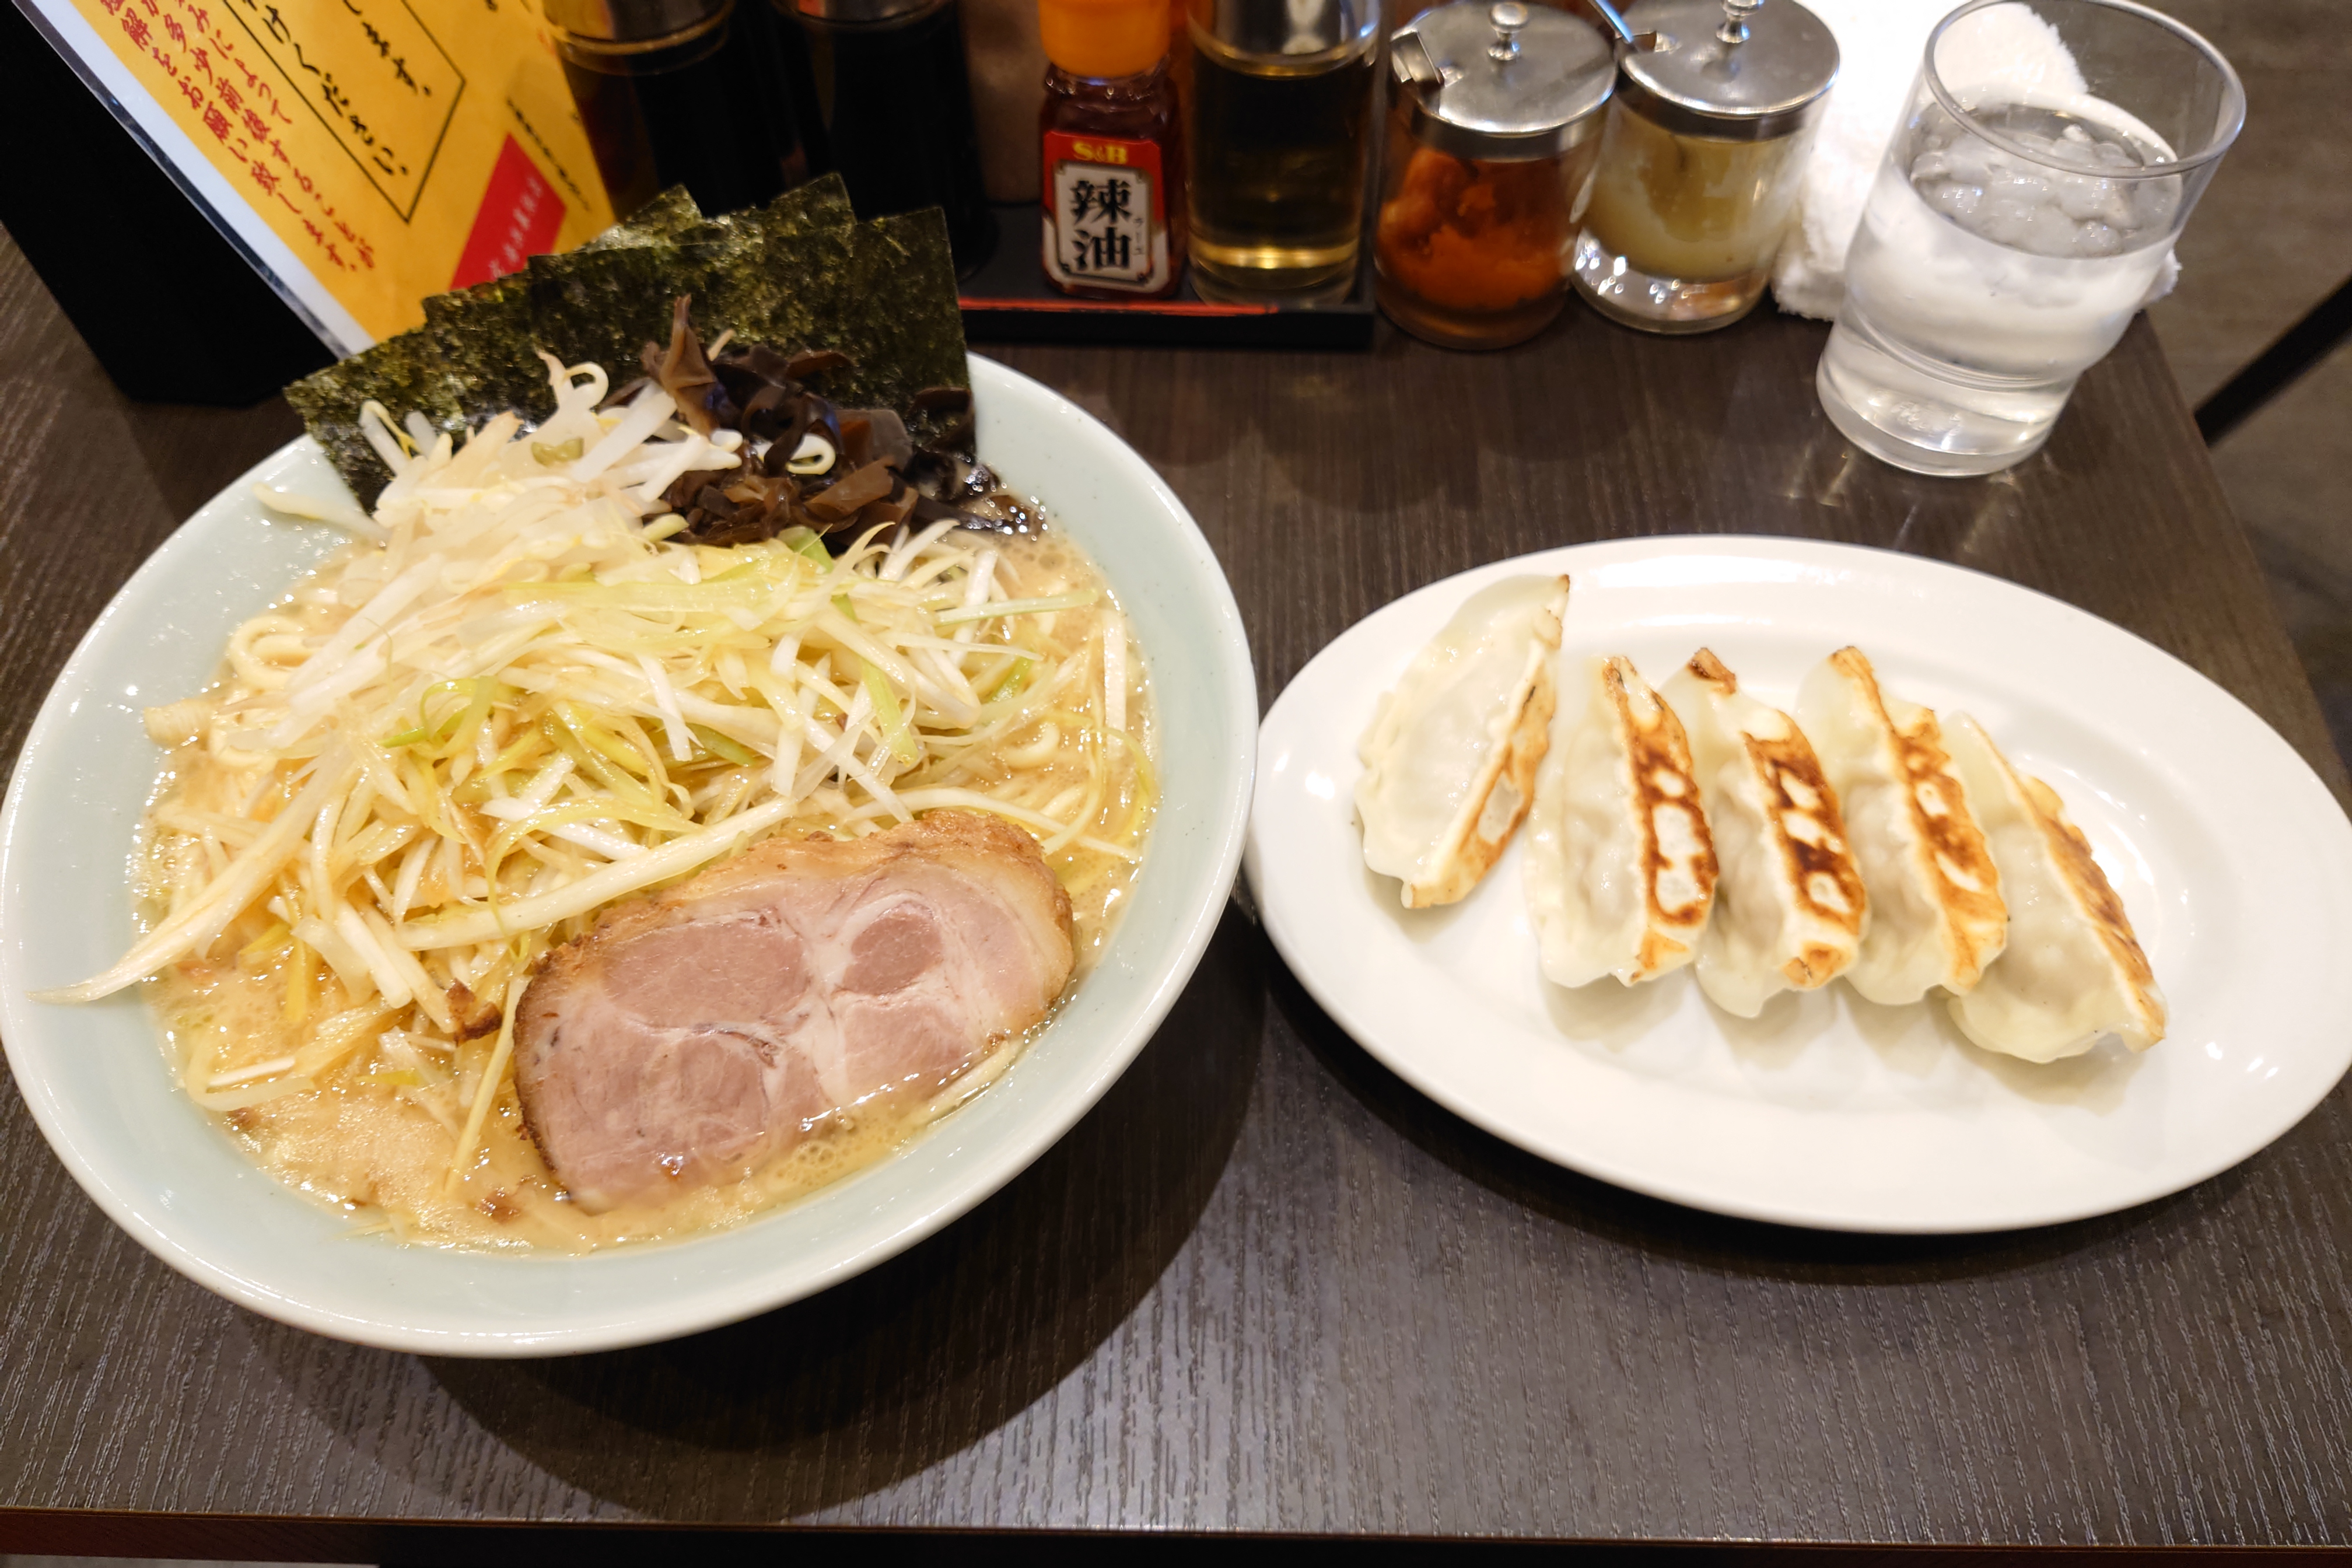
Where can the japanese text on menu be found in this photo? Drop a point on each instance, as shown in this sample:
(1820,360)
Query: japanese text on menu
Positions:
(395,148)
(247,75)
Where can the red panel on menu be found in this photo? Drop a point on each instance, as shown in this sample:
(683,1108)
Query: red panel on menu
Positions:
(517,220)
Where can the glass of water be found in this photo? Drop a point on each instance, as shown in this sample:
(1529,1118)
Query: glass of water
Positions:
(2051,153)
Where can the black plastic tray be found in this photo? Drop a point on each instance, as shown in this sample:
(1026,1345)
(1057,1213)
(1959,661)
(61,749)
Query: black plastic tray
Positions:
(1008,300)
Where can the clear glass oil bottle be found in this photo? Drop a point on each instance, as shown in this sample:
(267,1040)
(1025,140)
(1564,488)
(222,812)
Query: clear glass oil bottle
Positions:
(1280,129)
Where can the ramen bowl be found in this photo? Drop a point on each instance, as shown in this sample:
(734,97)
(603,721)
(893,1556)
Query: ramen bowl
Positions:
(99,1086)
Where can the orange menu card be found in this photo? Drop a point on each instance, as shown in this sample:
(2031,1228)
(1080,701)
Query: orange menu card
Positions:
(363,153)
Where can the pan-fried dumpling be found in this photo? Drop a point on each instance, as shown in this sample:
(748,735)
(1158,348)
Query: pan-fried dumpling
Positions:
(1936,911)
(1620,870)
(1450,759)
(1788,911)
(2073,971)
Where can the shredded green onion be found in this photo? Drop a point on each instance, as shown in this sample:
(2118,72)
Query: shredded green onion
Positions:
(718,745)
(895,732)
(517,697)
(1079,601)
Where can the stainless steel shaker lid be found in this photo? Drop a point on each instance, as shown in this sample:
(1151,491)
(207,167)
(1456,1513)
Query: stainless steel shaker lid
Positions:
(1744,71)
(857,11)
(1503,82)
(1300,31)
(624,22)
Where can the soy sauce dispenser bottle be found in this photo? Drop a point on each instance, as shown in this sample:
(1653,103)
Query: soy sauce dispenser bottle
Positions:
(885,98)
(676,92)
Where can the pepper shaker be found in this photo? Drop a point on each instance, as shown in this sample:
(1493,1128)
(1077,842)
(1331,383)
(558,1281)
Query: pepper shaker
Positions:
(1705,150)
(1494,130)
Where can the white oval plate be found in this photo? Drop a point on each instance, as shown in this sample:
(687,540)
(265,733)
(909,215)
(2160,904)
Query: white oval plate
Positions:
(2231,856)
(96,1079)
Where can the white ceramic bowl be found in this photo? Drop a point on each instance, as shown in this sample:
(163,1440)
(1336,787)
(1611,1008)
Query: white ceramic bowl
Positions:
(98,1086)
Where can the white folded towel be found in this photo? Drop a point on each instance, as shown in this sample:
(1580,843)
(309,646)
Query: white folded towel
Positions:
(1880,43)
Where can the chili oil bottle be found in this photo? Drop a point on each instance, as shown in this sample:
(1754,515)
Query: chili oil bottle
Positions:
(1113,151)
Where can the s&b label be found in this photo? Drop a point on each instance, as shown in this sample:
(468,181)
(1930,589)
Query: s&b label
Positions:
(1105,224)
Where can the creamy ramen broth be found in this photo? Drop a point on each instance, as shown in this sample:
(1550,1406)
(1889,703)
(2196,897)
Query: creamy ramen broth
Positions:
(377,1134)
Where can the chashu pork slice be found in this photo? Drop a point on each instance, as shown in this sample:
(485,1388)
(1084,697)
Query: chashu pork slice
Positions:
(691,1037)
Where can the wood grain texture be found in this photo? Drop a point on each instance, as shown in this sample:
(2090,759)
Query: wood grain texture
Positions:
(1264,1285)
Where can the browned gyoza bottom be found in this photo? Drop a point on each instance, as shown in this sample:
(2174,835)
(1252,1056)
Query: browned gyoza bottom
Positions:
(693,1035)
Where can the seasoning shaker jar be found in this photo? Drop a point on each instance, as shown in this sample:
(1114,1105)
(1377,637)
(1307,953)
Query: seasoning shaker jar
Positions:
(1702,159)
(1493,132)
(885,101)
(1279,128)
(673,92)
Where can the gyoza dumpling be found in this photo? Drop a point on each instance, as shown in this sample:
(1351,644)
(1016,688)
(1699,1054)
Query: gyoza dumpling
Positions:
(1788,911)
(1936,911)
(1450,759)
(1620,869)
(2072,971)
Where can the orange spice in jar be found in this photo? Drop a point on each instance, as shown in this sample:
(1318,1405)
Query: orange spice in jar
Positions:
(1491,137)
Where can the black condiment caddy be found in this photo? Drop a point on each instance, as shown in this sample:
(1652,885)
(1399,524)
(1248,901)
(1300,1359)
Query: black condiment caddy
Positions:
(1007,299)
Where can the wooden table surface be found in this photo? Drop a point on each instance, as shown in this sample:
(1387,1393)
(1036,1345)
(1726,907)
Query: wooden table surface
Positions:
(1265,1286)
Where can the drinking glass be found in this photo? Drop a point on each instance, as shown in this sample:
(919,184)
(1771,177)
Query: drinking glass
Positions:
(2020,216)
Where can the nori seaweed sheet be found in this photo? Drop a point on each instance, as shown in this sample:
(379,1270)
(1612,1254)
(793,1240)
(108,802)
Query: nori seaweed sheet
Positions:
(742,283)
(672,217)
(894,314)
(822,203)
(725,268)
(799,273)
(607,305)
(803,273)
(489,350)
(402,373)
(663,219)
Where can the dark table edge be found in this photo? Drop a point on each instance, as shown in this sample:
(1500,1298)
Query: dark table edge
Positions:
(516,1543)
